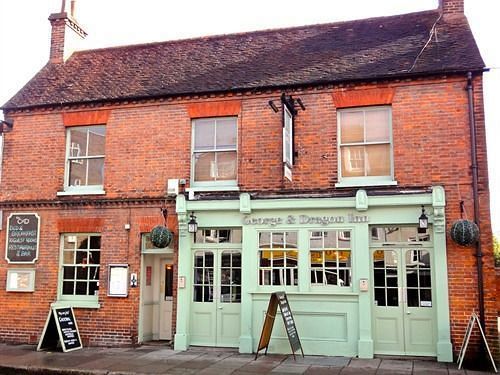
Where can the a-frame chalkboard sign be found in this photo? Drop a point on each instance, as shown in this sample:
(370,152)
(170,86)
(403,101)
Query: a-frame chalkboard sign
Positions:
(465,342)
(279,299)
(60,328)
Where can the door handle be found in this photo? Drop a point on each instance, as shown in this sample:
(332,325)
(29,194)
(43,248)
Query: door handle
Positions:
(408,312)
(220,307)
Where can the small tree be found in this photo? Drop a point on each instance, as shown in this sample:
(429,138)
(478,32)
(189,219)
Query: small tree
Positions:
(496,250)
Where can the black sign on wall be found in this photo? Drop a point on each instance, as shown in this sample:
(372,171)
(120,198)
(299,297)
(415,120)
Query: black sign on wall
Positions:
(23,234)
(60,329)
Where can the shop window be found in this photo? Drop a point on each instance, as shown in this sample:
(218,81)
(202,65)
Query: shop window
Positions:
(80,266)
(85,159)
(330,258)
(365,146)
(214,158)
(278,258)
(398,234)
(206,235)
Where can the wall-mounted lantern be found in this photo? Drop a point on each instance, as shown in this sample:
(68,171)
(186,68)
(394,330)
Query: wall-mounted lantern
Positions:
(192,224)
(423,222)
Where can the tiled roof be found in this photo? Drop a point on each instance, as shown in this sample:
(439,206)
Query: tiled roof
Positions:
(327,53)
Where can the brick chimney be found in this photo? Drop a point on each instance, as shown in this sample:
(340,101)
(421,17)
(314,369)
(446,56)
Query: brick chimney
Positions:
(66,33)
(451,7)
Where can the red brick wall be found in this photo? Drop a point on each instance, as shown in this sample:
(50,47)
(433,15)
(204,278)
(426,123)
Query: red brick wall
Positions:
(116,321)
(146,144)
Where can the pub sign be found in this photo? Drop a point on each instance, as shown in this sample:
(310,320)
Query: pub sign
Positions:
(23,237)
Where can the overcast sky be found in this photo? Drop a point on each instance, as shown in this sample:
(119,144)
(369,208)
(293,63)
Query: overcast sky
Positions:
(25,36)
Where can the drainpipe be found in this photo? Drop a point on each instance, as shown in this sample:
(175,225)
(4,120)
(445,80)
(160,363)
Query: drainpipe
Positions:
(479,253)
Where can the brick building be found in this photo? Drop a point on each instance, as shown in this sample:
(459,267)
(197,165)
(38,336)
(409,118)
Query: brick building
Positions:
(305,155)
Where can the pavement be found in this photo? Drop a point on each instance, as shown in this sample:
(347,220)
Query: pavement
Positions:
(156,359)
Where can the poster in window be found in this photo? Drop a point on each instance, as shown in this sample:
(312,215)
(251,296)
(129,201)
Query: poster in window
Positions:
(118,280)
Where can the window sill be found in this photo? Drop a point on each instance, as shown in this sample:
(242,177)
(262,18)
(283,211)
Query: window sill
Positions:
(81,192)
(213,188)
(362,183)
(77,304)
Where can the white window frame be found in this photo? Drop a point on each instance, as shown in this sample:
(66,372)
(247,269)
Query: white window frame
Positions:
(364,180)
(323,269)
(213,185)
(285,270)
(86,301)
(81,189)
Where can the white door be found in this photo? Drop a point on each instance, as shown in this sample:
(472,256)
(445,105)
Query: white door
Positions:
(216,305)
(166,300)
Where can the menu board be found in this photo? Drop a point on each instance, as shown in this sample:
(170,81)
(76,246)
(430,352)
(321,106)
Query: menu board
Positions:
(279,299)
(23,233)
(60,329)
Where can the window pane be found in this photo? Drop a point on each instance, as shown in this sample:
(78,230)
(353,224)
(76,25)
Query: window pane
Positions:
(353,161)
(97,140)
(351,127)
(204,134)
(226,134)
(95,242)
(78,142)
(265,239)
(69,257)
(412,296)
(96,171)
(377,125)
(291,240)
(316,258)
(344,239)
(226,165)
(69,272)
(68,287)
(380,297)
(278,240)
(331,239)
(392,297)
(78,172)
(204,166)
(378,161)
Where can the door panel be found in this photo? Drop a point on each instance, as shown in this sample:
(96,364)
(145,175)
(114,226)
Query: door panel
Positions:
(166,301)
(403,312)
(216,305)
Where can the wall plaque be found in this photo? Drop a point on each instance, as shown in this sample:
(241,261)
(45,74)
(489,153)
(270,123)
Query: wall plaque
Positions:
(23,234)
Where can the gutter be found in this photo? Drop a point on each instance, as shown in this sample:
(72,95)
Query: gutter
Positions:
(475,195)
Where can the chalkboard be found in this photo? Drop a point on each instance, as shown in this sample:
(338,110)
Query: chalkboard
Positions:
(60,330)
(279,299)
(23,232)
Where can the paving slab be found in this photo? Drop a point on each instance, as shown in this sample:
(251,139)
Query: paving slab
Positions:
(364,363)
(290,369)
(319,361)
(396,366)
(322,370)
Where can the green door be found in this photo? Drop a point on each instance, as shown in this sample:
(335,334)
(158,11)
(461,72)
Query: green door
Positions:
(403,308)
(216,304)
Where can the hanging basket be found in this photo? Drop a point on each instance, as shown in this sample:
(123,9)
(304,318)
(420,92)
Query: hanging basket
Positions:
(464,232)
(161,236)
